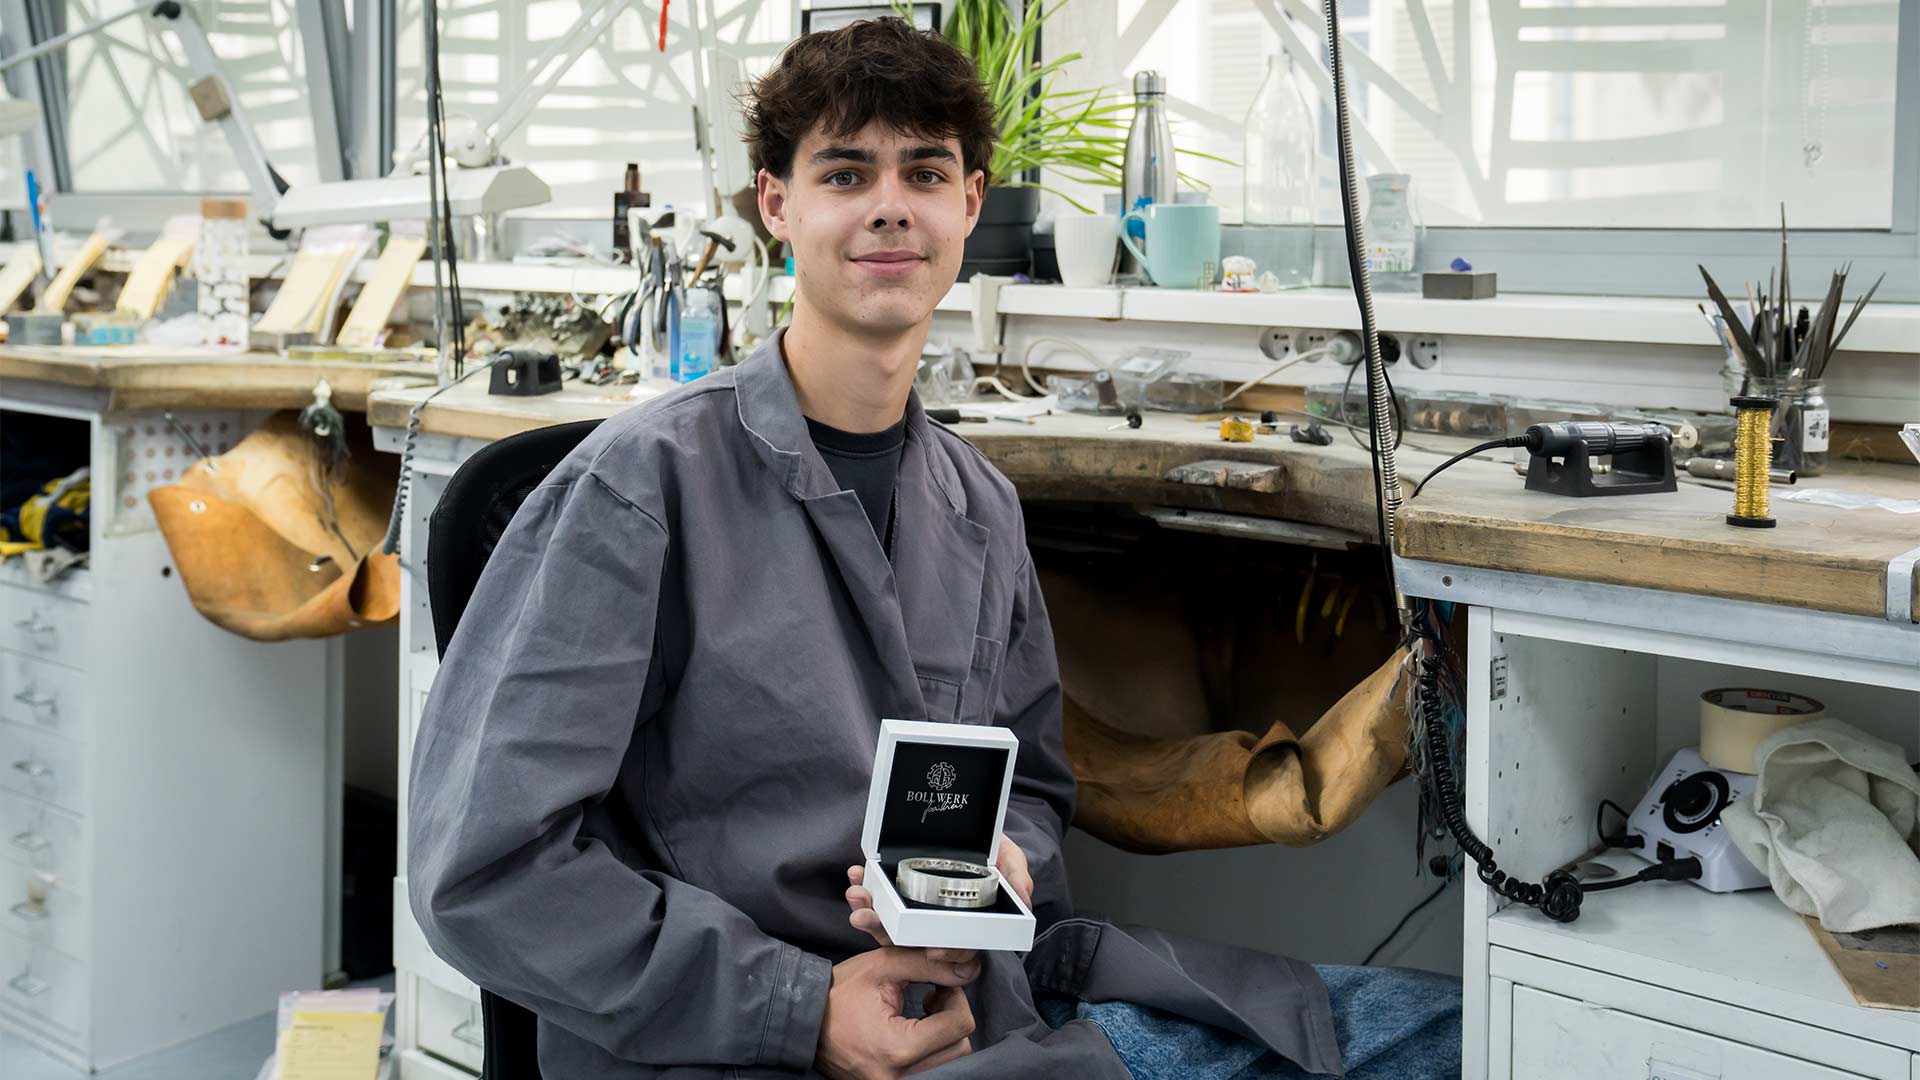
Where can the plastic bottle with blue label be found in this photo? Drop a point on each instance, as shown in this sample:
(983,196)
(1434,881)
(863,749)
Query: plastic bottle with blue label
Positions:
(699,336)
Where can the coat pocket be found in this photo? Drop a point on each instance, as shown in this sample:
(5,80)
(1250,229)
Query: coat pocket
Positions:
(978,697)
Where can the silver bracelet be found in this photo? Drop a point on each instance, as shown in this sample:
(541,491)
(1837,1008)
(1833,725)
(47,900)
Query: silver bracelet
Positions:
(951,883)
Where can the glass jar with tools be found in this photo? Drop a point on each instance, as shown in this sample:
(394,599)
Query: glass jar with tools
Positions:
(1802,425)
(1393,233)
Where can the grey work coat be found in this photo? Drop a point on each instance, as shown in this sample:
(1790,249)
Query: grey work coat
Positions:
(643,769)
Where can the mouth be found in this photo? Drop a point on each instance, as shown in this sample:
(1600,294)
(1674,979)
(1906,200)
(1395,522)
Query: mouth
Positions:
(896,263)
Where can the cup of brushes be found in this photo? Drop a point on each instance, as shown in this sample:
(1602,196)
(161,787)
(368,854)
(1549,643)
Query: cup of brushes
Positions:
(1785,358)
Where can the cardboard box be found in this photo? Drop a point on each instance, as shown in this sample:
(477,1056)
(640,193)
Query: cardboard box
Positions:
(941,790)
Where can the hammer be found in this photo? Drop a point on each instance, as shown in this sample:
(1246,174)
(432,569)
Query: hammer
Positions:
(715,242)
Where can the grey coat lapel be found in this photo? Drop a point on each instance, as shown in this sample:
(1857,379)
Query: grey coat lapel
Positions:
(939,563)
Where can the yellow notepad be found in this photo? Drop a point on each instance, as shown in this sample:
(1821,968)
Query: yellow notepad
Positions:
(331,1046)
(391,276)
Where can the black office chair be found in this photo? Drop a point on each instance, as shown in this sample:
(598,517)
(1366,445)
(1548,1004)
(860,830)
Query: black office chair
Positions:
(479,502)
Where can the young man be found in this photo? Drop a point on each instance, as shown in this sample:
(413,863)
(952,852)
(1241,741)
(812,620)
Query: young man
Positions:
(642,773)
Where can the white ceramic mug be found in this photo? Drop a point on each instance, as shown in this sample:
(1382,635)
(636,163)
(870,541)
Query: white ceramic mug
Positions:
(1087,246)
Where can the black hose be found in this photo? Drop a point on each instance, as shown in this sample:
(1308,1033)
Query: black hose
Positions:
(1490,444)
(1558,898)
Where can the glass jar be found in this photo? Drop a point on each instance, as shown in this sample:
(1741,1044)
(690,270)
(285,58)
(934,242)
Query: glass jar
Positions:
(1802,424)
(1392,233)
(1280,178)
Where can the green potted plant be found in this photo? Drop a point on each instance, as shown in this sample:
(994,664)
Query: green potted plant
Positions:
(1073,133)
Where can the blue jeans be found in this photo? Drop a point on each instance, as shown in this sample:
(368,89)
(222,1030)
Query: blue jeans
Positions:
(1394,1023)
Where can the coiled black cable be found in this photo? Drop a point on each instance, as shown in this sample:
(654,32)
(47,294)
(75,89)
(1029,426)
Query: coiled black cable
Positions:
(1558,897)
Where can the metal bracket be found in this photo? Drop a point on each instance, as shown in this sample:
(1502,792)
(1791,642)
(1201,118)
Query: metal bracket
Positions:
(1900,586)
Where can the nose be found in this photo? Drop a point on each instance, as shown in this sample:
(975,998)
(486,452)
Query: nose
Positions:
(890,207)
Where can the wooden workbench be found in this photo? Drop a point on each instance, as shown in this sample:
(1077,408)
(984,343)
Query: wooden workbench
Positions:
(1478,514)
(142,377)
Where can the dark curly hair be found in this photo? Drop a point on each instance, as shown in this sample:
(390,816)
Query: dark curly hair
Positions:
(876,69)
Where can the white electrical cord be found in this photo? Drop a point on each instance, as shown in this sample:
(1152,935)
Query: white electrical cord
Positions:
(1026,368)
(1310,354)
(1026,358)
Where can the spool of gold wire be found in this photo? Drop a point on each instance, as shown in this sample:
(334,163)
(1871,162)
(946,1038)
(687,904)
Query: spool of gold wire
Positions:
(1752,457)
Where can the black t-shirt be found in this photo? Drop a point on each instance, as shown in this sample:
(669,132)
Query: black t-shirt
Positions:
(866,464)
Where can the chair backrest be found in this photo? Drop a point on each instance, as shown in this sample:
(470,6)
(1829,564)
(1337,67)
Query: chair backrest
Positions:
(478,504)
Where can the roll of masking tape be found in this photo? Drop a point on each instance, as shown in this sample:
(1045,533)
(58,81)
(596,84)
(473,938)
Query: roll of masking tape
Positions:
(1733,721)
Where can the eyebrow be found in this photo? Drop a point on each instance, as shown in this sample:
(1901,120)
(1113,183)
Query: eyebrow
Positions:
(929,152)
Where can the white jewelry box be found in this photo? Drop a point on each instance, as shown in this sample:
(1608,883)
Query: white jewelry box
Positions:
(941,790)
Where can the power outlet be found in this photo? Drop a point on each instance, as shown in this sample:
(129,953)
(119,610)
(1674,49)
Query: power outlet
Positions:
(1308,340)
(1276,343)
(1424,351)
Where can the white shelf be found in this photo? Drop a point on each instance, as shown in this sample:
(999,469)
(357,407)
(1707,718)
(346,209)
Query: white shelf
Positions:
(1746,949)
(1883,327)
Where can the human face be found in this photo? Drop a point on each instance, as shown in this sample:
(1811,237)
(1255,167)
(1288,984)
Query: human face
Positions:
(876,221)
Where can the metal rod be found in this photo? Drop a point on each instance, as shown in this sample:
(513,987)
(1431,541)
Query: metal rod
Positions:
(61,42)
(192,442)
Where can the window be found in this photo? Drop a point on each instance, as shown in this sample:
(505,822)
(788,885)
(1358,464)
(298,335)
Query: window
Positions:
(130,124)
(623,100)
(1562,113)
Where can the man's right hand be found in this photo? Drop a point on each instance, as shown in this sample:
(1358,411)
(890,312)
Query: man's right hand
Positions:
(865,1037)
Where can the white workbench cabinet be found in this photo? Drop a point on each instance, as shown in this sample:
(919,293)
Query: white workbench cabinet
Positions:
(1577,693)
(437,1025)
(163,783)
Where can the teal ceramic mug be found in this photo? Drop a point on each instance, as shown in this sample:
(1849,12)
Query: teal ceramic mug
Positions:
(1183,243)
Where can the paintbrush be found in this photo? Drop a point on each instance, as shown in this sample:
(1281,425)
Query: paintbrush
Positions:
(1742,340)
(1834,345)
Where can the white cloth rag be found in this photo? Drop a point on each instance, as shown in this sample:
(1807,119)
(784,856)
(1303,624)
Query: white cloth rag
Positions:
(1834,823)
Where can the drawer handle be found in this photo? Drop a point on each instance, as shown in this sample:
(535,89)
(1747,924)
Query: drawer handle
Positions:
(29,984)
(34,623)
(37,701)
(35,769)
(468,1031)
(31,841)
(28,911)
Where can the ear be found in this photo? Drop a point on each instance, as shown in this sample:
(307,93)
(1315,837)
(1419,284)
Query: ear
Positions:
(772,192)
(976,189)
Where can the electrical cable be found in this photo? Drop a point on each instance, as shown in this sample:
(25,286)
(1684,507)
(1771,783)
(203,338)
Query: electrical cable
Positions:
(1558,897)
(1490,444)
(1622,840)
(395,520)
(1404,919)
(441,207)
(1685,869)
(1026,359)
(1310,354)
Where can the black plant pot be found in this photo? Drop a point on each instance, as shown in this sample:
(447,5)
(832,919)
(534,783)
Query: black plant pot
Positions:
(1002,241)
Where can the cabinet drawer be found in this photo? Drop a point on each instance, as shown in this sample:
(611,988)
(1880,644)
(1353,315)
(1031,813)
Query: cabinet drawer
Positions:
(41,983)
(450,1025)
(42,696)
(1568,1039)
(43,766)
(42,912)
(43,625)
(34,834)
